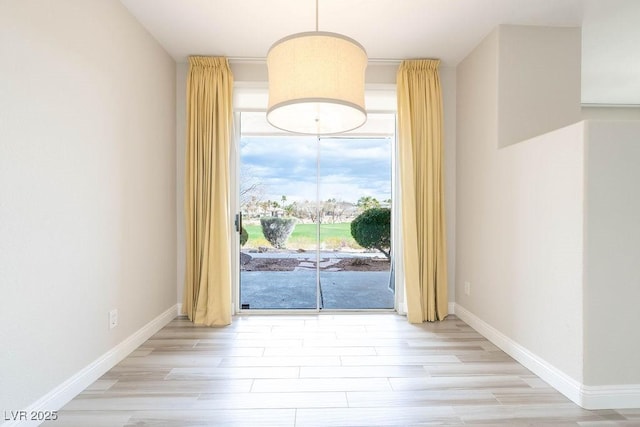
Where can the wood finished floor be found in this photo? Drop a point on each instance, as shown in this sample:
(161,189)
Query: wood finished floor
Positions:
(325,370)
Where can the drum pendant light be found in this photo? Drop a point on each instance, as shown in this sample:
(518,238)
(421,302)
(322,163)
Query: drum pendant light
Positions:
(316,83)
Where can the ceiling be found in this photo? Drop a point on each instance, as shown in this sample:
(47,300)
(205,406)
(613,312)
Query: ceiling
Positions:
(391,29)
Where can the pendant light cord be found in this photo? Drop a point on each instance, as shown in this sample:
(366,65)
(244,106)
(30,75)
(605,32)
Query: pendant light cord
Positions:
(316,15)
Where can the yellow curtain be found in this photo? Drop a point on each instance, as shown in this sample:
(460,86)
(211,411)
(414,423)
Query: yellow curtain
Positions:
(207,293)
(421,180)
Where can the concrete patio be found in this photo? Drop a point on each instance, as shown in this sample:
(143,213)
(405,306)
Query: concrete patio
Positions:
(340,290)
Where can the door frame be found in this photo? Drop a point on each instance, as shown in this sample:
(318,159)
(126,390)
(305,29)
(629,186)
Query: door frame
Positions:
(251,98)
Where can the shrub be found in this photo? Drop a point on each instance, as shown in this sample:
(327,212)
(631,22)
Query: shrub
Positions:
(277,230)
(244,236)
(372,230)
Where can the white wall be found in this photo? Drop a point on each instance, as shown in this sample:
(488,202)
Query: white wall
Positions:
(87,188)
(519,235)
(610,113)
(612,252)
(180,145)
(448,83)
(547,237)
(537,266)
(253,74)
(477,116)
(539,86)
(611,66)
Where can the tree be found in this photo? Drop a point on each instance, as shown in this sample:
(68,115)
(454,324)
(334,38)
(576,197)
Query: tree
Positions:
(329,207)
(291,209)
(277,230)
(339,209)
(309,210)
(372,230)
(368,202)
(251,189)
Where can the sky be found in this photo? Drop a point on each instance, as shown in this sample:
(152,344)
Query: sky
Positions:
(286,165)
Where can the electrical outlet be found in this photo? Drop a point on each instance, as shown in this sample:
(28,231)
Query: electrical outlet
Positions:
(467,288)
(113,318)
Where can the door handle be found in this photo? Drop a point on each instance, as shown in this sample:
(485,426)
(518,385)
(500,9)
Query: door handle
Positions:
(238,222)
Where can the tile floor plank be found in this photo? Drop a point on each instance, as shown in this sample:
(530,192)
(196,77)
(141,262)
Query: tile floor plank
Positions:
(331,369)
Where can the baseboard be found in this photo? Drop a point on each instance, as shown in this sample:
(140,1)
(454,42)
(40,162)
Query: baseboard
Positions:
(588,397)
(452,308)
(549,373)
(611,396)
(62,394)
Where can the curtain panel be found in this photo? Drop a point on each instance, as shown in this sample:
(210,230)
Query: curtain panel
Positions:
(207,293)
(421,170)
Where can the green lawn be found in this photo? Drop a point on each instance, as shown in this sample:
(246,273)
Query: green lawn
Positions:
(334,236)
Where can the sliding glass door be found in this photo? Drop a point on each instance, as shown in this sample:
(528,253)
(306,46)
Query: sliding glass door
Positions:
(299,197)
(277,201)
(355,185)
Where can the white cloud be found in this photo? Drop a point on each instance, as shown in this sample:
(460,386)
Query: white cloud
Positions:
(349,168)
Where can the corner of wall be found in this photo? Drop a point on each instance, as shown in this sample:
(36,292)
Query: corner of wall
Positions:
(181,114)
(611,278)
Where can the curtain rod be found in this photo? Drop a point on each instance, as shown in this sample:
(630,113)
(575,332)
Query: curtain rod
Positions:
(259,60)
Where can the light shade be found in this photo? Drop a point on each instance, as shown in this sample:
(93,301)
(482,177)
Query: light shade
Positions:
(316,83)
